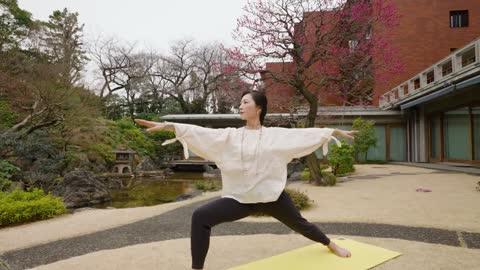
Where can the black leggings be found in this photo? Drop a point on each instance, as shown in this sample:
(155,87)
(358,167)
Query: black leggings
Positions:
(226,209)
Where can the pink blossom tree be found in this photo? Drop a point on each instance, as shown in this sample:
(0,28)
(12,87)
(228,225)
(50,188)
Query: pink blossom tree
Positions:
(321,49)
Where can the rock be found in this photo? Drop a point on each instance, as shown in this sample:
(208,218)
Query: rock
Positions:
(147,164)
(294,166)
(296,176)
(160,175)
(208,168)
(189,194)
(212,173)
(81,188)
(168,171)
(212,176)
(112,183)
(183,197)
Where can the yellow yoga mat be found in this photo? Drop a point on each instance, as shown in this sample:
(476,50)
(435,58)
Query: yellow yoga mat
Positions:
(317,256)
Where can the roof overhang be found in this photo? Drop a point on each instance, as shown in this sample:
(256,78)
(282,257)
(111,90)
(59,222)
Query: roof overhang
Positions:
(442,92)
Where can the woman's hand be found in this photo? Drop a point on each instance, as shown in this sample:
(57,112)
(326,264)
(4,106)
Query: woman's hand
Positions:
(349,134)
(153,126)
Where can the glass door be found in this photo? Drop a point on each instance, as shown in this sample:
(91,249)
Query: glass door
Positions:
(397,143)
(476,133)
(456,135)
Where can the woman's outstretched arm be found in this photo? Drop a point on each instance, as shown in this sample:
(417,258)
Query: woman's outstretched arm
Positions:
(299,142)
(348,134)
(209,143)
(155,126)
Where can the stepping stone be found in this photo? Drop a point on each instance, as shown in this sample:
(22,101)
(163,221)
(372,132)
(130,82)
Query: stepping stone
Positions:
(317,256)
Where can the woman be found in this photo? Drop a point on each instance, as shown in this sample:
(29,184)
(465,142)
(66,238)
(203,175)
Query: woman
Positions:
(253,161)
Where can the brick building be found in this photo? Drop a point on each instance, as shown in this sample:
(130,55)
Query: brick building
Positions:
(428,30)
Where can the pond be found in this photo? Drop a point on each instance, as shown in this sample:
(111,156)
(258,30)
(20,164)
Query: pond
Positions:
(153,191)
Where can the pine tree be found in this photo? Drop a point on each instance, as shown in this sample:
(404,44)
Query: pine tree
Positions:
(63,43)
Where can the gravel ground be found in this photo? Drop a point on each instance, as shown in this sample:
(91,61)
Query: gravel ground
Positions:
(175,224)
(379,202)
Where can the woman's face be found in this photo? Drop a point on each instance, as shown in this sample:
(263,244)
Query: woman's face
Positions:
(248,109)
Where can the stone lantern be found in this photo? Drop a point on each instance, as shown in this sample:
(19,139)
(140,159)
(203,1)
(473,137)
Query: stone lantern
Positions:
(124,161)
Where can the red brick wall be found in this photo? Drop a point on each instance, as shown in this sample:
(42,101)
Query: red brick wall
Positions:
(424,36)
(280,96)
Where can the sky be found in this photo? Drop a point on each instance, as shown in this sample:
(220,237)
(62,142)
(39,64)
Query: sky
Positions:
(153,24)
(147,23)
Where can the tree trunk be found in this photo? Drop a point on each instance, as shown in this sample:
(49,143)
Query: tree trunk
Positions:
(316,177)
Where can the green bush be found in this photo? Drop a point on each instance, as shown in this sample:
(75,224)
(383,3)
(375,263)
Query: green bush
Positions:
(366,137)
(134,137)
(161,135)
(5,184)
(170,149)
(342,158)
(147,116)
(21,206)
(330,178)
(305,175)
(151,142)
(139,141)
(7,116)
(116,135)
(125,124)
(207,185)
(102,150)
(299,198)
(7,169)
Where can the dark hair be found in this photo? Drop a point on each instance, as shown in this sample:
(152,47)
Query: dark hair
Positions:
(260,100)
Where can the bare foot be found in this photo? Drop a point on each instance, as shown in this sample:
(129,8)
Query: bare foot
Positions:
(339,251)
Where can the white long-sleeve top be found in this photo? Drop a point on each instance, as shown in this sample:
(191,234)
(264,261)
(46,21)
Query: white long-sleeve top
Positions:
(261,175)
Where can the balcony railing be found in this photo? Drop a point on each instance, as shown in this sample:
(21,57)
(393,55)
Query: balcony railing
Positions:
(459,64)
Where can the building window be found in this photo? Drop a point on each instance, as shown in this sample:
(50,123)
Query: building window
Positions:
(447,68)
(468,57)
(430,77)
(416,83)
(458,18)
